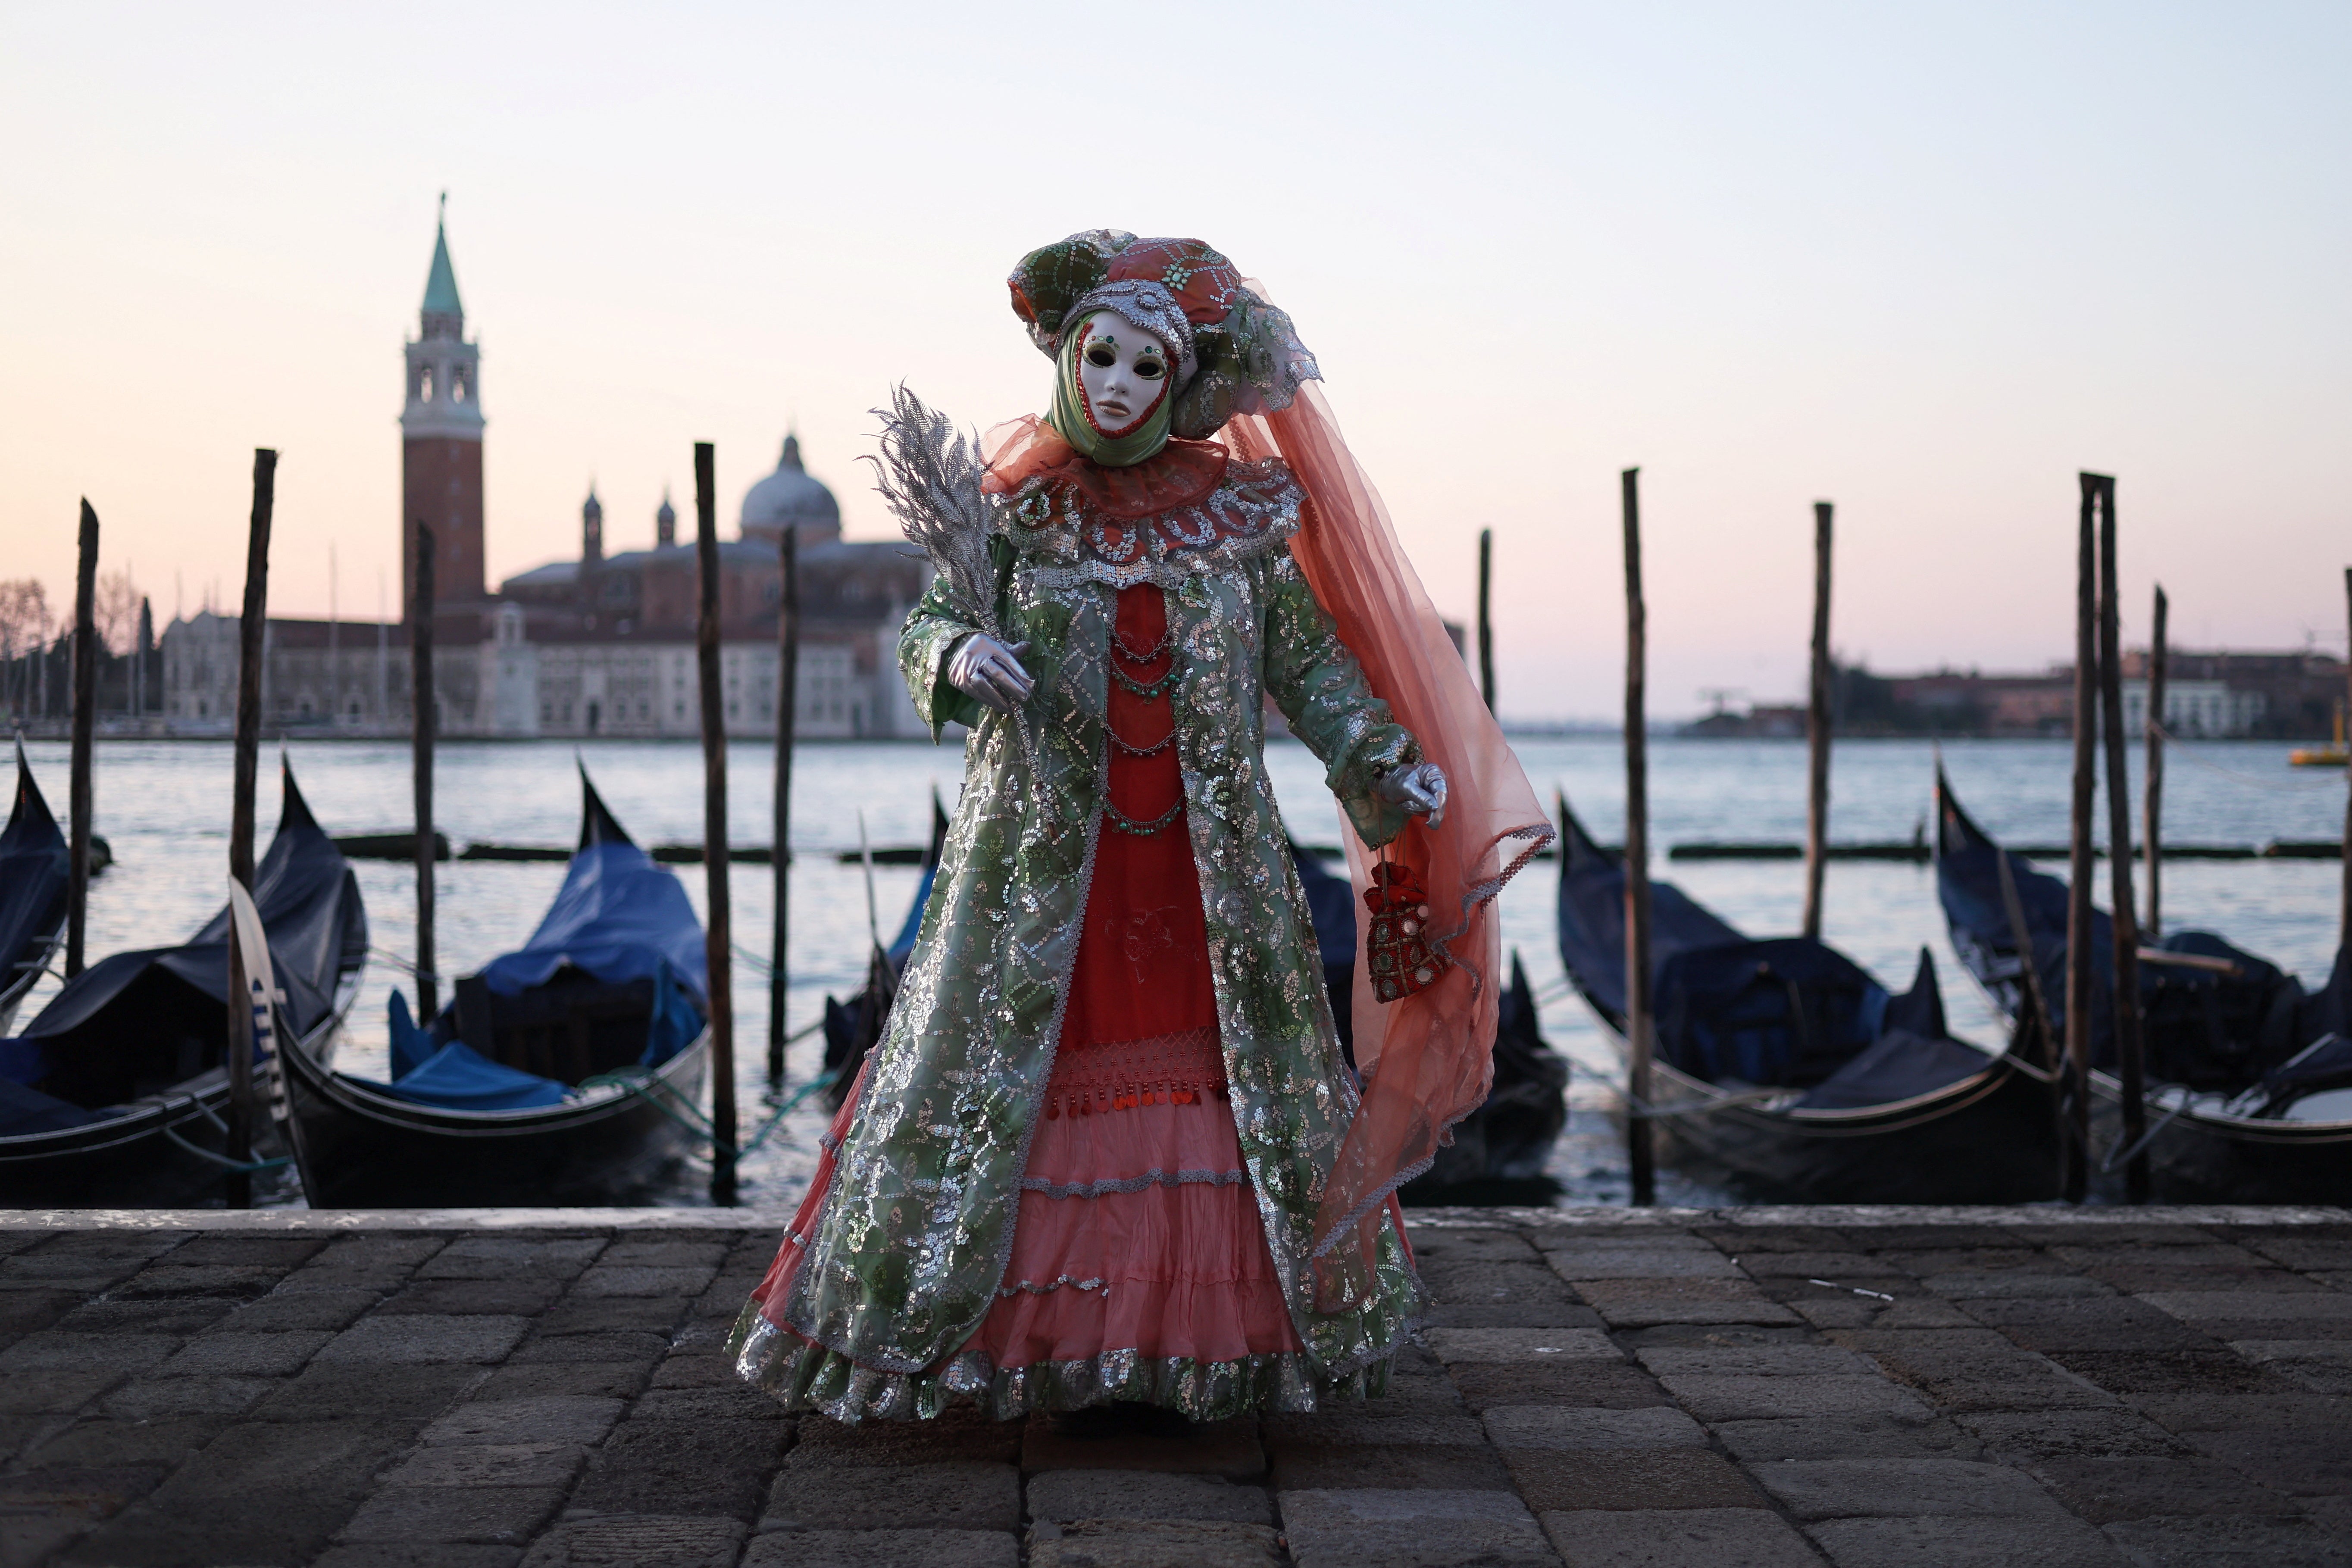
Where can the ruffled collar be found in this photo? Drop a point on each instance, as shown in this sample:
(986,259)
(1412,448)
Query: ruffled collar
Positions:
(1028,452)
(1195,507)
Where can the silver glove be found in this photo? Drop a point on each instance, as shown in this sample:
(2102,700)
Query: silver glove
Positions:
(1419,788)
(989,673)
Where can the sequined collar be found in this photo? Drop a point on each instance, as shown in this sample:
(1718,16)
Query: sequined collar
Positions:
(1180,475)
(1065,536)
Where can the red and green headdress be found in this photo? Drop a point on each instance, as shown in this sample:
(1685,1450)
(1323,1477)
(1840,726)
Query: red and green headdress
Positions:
(1235,353)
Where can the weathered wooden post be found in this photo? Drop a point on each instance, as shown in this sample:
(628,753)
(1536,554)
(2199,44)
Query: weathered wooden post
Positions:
(423,721)
(2151,831)
(788,673)
(1817,730)
(2344,918)
(2129,1059)
(1485,623)
(1640,1151)
(2079,865)
(80,794)
(716,927)
(252,638)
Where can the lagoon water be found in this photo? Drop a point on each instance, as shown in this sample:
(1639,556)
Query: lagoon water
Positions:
(165,808)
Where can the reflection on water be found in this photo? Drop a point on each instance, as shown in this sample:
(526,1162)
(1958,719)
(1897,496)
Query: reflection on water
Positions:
(165,806)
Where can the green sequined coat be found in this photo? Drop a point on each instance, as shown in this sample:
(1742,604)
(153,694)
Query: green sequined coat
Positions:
(910,1249)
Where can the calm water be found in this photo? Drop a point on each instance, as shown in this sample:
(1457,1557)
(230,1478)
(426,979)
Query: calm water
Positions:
(164,807)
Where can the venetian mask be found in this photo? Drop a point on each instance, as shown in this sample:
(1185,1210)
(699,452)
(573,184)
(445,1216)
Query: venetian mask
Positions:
(1123,370)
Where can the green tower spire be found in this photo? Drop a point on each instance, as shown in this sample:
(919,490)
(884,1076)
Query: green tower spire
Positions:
(441,283)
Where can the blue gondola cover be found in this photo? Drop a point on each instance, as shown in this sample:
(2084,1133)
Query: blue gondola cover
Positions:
(618,917)
(459,1078)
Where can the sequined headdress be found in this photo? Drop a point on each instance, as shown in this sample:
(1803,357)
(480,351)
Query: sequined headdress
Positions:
(1235,353)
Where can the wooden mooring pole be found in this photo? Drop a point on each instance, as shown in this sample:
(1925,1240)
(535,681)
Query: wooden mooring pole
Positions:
(80,791)
(1817,730)
(718,932)
(252,641)
(788,674)
(421,724)
(2079,863)
(2130,1059)
(2151,829)
(1486,622)
(2344,916)
(1640,1156)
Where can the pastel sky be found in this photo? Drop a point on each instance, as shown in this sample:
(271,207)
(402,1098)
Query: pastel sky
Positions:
(1927,260)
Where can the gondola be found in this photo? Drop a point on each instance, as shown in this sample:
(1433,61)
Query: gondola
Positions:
(1784,1066)
(36,870)
(1498,1151)
(2238,1054)
(114,1094)
(852,1027)
(566,1073)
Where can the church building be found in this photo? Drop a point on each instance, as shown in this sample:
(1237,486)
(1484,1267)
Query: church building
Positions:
(602,645)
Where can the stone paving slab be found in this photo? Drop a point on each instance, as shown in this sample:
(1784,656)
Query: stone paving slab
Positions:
(1667,1388)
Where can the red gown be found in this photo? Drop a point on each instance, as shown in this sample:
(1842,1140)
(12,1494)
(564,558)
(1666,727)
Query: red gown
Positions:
(1138,1229)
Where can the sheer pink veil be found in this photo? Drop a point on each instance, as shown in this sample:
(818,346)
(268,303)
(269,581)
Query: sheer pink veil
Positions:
(1428,1060)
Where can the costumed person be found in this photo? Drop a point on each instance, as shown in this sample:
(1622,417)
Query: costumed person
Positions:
(1107,1152)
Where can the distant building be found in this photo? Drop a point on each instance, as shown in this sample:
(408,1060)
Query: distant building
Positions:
(332,675)
(2278,695)
(1760,721)
(601,645)
(2208,696)
(1951,702)
(2196,710)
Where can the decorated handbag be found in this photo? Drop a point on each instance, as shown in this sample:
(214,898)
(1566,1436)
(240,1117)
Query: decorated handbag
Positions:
(1402,961)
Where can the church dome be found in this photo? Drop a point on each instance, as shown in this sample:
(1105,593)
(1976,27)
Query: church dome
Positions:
(789,498)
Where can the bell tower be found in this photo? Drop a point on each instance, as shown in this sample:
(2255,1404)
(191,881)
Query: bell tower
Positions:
(441,441)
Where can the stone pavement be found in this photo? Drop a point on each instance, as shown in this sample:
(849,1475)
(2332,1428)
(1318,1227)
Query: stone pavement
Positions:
(1736,1389)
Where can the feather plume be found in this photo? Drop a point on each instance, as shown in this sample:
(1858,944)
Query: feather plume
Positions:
(928,474)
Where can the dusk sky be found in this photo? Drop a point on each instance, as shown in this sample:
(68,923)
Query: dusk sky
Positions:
(1924,260)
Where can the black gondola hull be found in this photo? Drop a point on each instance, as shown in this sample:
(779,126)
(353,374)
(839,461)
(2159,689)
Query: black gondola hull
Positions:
(124,1162)
(1986,1139)
(2224,1159)
(365,1150)
(142,1159)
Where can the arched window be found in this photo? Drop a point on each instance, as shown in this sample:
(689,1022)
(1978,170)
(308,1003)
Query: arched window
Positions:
(424,383)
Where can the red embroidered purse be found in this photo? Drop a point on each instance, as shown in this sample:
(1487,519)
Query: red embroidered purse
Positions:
(1401,960)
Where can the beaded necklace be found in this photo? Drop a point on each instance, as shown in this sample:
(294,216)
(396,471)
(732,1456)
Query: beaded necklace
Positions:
(1148,690)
